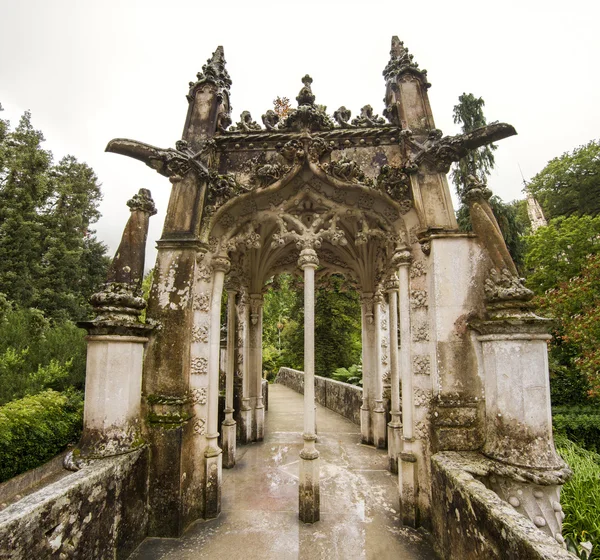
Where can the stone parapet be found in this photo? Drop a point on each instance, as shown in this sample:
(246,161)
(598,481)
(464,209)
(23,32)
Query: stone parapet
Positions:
(471,522)
(343,398)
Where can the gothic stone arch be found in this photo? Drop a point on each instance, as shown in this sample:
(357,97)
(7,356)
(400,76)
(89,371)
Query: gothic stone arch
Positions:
(445,316)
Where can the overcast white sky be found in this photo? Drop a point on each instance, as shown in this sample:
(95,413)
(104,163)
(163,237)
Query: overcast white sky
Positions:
(93,71)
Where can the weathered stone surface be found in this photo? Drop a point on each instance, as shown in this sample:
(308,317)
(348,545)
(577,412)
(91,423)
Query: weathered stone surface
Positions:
(98,512)
(471,522)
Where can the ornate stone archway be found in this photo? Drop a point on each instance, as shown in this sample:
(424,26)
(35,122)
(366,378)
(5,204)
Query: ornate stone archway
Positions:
(367,197)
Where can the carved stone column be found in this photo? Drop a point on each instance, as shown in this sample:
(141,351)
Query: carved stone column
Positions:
(379,419)
(407,465)
(255,379)
(366,306)
(395,425)
(243,364)
(229,424)
(213,455)
(309,499)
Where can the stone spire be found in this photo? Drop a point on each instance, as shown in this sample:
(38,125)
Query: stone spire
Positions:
(306,96)
(535,213)
(120,300)
(213,71)
(401,61)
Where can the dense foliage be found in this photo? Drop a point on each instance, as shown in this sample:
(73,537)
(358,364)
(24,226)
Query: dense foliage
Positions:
(49,256)
(570,184)
(468,113)
(37,427)
(579,423)
(579,496)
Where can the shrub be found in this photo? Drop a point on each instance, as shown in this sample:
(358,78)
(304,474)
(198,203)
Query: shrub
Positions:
(579,496)
(580,424)
(352,374)
(35,428)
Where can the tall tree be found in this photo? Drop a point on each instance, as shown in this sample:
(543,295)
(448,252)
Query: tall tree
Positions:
(49,256)
(570,184)
(479,163)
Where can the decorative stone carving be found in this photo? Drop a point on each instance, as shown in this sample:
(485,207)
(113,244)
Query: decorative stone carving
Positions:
(394,181)
(199,395)
(246,124)
(201,301)
(504,287)
(308,257)
(270,119)
(266,174)
(293,151)
(308,116)
(212,72)
(200,426)
(222,188)
(418,299)
(342,116)
(422,397)
(323,227)
(367,118)
(421,365)
(317,149)
(417,269)
(345,169)
(421,333)
(199,366)
(200,333)
(204,273)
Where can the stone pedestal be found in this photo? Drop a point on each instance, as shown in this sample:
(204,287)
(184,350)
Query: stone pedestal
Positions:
(379,425)
(113,386)
(213,479)
(309,499)
(408,484)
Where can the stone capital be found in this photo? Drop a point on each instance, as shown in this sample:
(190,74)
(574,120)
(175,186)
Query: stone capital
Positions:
(221,263)
(308,259)
(402,258)
(392,284)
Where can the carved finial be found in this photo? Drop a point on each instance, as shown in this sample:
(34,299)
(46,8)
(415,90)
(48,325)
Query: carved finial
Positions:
(401,61)
(142,202)
(306,97)
(213,71)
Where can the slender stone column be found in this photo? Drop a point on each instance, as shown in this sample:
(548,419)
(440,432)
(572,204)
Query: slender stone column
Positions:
(407,467)
(229,424)
(213,454)
(379,424)
(243,313)
(395,425)
(256,309)
(309,456)
(366,307)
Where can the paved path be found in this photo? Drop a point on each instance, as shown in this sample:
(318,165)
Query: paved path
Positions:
(259,519)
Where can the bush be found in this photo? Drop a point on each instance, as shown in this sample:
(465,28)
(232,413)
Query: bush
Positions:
(579,496)
(580,424)
(36,428)
(352,374)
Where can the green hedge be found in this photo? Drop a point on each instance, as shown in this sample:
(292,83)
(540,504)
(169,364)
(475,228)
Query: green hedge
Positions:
(580,424)
(36,428)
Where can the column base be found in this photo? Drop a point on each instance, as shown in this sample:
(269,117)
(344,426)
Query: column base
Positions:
(365,425)
(308,485)
(246,425)
(394,433)
(259,419)
(212,490)
(228,427)
(407,481)
(379,428)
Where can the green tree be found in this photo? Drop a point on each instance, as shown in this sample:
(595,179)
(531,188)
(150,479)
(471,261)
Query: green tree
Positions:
(570,184)
(558,252)
(479,163)
(49,256)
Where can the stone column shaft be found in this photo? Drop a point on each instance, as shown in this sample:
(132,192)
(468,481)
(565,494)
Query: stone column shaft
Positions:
(256,308)
(229,424)
(395,425)
(246,409)
(366,429)
(309,500)
(379,423)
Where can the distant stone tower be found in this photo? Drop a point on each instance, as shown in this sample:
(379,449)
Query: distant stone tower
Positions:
(535,213)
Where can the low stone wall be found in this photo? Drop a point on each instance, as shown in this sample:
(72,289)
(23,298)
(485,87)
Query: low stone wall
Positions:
(98,512)
(343,398)
(471,522)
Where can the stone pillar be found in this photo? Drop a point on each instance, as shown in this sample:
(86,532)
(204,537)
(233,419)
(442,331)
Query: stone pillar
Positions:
(366,307)
(407,465)
(243,360)
(229,424)
(256,310)
(379,419)
(213,455)
(395,424)
(112,421)
(518,426)
(309,499)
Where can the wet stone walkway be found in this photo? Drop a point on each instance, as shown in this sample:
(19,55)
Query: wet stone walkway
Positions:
(259,519)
